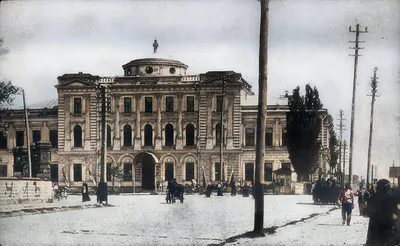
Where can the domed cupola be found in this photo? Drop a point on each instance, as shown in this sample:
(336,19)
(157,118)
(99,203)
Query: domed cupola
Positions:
(154,67)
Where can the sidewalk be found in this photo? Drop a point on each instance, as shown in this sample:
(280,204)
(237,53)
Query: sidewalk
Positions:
(73,202)
(324,229)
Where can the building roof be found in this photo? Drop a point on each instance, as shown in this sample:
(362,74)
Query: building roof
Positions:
(49,104)
(155,61)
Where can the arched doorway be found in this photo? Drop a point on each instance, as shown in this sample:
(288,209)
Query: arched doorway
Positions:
(147,162)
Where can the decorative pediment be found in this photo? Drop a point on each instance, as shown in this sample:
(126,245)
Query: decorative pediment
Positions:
(75,83)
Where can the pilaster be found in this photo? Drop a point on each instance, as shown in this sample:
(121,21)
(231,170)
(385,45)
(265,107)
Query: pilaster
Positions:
(117,137)
(209,121)
(87,123)
(179,137)
(67,128)
(158,143)
(138,144)
(230,120)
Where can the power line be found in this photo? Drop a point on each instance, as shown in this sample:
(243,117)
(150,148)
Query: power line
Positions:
(356,55)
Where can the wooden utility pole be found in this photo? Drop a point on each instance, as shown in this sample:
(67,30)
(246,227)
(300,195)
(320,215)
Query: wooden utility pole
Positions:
(261,119)
(353,102)
(341,129)
(344,161)
(374,84)
(28,145)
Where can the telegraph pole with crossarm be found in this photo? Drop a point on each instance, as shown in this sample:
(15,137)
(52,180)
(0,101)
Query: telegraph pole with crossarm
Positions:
(341,129)
(374,85)
(353,102)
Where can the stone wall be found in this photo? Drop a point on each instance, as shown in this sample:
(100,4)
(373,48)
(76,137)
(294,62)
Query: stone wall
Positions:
(13,191)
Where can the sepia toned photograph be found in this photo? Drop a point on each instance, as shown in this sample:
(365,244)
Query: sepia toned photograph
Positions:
(188,122)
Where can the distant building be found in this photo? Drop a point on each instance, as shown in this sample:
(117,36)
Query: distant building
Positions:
(163,124)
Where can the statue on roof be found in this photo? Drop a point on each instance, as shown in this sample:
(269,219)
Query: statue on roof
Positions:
(155,46)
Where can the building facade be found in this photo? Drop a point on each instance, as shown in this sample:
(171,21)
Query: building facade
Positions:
(162,124)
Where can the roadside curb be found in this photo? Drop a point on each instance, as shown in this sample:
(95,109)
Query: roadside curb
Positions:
(272,229)
(44,210)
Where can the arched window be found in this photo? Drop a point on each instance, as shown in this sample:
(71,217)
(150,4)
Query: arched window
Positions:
(169,135)
(77,136)
(108,136)
(218,136)
(148,135)
(189,134)
(127,135)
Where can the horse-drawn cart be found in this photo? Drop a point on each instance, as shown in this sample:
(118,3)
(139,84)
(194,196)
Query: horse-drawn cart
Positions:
(175,191)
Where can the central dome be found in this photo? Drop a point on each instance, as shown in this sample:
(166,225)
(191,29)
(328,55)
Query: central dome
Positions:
(154,67)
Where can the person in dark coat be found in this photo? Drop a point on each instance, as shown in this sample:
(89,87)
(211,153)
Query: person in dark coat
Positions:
(233,188)
(219,189)
(383,216)
(85,193)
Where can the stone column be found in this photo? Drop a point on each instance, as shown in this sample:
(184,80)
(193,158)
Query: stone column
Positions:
(138,144)
(86,129)
(276,133)
(158,138)
(44,133)
(209,121)
(230,120)
(117,137)
(11,137)
(179,138)
(67,127)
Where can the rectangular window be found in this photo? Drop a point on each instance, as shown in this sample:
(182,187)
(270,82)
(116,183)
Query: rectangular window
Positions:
(3,140)
(127,105)
(77,105)
(285,165)
(189,171)
(127,171)
(217,171)
(54,138)
(284,137)
(268,137)
(250,137)
(148,105)
(249,172)
(268,172)
(220,102)
(169,104)
(36,136)
(108,171)
(3,170)
(169,171)
(20,138)
(54,172)
(77,172)
(190,104)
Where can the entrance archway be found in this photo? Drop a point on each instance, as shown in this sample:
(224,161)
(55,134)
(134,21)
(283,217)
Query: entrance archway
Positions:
(148,162)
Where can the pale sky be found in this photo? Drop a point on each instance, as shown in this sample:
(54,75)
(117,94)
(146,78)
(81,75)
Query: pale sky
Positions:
(308,43)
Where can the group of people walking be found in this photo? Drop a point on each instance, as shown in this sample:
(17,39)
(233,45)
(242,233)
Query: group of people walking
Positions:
(382,206)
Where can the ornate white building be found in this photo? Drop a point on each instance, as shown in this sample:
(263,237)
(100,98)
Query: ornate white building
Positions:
(163,123)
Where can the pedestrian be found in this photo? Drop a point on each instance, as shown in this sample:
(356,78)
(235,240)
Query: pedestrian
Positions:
(383,216)
(219,189)
(233,188)
(85,193)
(347,200)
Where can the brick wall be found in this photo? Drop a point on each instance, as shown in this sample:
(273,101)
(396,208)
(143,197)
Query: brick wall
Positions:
(14,191)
